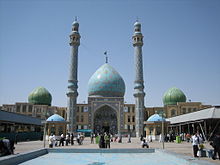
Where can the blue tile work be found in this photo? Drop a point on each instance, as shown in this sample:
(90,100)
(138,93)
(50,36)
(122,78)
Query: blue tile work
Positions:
(155,118)
(56,117)
(106,82)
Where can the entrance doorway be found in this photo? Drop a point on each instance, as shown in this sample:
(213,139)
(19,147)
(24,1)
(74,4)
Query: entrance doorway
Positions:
(105,120)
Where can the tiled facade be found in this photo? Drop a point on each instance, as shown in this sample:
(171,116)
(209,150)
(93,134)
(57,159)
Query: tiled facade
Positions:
(83,114)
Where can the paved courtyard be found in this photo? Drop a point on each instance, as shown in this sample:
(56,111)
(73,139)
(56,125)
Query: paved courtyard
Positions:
(183,148)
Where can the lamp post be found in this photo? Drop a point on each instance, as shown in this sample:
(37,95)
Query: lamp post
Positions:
(44,136)
(163,132)
(162,125)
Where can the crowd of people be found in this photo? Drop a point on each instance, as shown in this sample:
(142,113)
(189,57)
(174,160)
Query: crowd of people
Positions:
(67,140)
(104,140)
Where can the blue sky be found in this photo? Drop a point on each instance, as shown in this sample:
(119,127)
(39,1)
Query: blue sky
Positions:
(181,46)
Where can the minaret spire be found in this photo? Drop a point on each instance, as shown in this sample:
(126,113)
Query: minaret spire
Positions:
(106,57)
(139,80)
(73,80)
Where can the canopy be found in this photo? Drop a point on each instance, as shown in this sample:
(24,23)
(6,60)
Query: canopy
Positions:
(209,113)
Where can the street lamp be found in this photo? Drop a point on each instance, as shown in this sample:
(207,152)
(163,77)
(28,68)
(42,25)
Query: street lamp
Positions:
(163,115)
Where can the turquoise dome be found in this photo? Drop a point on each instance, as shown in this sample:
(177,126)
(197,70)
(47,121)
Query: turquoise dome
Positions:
(56,118)
(173,96)
(155,118)
(40,96)
(106,82)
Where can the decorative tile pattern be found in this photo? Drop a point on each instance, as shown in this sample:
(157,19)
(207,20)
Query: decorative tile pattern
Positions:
(106,82)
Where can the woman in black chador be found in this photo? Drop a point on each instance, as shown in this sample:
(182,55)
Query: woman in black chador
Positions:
(102,141)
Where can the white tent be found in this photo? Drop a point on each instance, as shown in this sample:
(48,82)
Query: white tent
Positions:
(198,117)
(210,113)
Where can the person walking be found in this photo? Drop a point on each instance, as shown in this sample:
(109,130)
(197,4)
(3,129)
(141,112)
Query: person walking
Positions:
(107,140)
(129,138)
(101,141)
(195,143)
(216,145)
(72,139)
(51,141)
(61,140)
(92,138)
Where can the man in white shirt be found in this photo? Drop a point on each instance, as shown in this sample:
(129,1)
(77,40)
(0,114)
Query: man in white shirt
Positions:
(196,140)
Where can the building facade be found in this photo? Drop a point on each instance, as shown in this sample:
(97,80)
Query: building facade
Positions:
(105,110)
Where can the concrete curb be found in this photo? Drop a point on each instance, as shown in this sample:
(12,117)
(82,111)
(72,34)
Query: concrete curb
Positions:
(20,158)
(122,150)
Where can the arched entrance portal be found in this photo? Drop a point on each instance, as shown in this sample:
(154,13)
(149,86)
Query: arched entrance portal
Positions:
(105,120)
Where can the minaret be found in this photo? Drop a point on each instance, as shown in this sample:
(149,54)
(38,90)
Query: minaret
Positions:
(72,82)
(139,80)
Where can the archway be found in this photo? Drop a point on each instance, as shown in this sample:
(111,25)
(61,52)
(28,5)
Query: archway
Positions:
(105,120)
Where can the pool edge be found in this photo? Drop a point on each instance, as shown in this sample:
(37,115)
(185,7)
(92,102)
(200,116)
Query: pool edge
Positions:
(23,157)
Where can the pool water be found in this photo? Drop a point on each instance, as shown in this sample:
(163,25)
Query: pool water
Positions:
(157,158)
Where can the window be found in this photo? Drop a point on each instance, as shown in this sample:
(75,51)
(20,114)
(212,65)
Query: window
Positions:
(30,108)
(128,127)
(173,112)
(129,119)
(128,109)
(133,108)
(38,110)
(184,110)
(133,127)
(189,110)
(24,108)
(85,109)
(18,108)
(82,118)
(125,109)
(77,109)
(77,118)
(82,108)
(133,118)
(137,29)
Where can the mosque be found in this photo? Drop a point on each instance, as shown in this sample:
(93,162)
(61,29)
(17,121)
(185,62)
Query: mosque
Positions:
(105,110)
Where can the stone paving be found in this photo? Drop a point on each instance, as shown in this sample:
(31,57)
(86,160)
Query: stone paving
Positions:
(183,148)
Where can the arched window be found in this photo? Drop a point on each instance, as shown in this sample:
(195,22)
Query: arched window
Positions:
(183,110)
(133,118)
(173,112)
(129,119)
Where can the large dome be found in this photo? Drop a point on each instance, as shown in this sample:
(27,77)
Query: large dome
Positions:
(106,82)
(40,96)
(173,96)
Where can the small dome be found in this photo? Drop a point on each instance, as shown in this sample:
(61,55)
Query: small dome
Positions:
(155,118)
(75,23)
(106,82)
(137,23)
(40,96)
(173,96)
(56,118)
